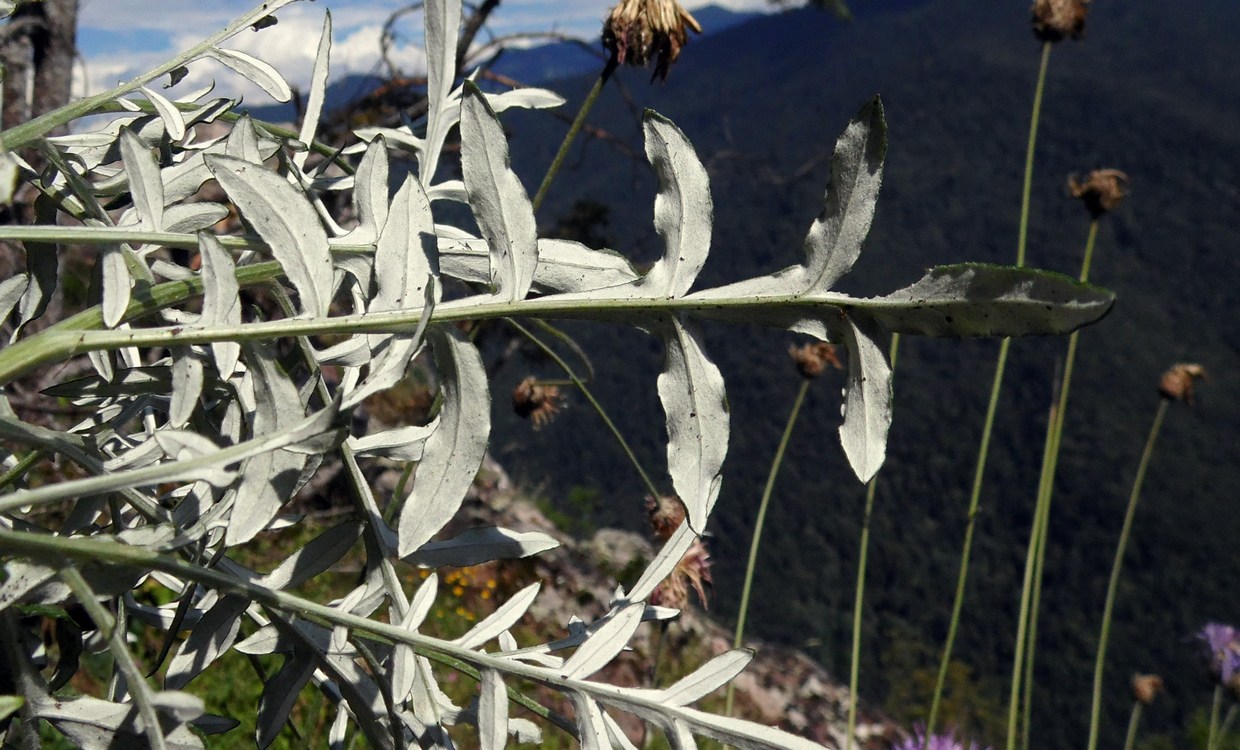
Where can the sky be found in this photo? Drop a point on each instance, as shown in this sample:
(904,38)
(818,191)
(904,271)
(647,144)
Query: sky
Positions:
(122,38)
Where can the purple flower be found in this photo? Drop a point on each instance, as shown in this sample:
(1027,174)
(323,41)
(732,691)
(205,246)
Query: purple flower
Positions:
(1223,650)
(919,741)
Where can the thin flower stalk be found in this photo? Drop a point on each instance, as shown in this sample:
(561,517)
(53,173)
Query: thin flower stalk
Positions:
(992,407)
(578,121)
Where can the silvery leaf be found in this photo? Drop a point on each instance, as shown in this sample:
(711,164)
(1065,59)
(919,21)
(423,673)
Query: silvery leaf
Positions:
(683,211)
(691,389)
(442,21)
(605,643)
(743,735)
(286,222)
(318,91)
(12,290)
(261,73)
(405,257)
(834,241)
(93,724)
(42,266)
(187,380)
(316,557)
(665,560)
(453,454)
(370,194)
(707,678)
(168,113)
(497,198)
(404,662)
(117,284)
(681,736)
(242,142)
(492,711)
(187,218)
(867,399)
(563,265)
(399,444)
(978,299)
(221,299)
(280,694)
(503,618)
(619,739)
(215,634)
(144,181)
(476,546)
(590,722)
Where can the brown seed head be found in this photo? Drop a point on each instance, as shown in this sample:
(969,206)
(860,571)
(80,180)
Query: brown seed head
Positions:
(811,359)
(1101,191)
(691,573)
(536,401)
(1145,687)
(666,513)
(1056,20)
(637,31)
(1177,382)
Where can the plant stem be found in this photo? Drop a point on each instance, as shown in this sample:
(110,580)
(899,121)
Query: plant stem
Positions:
(759,524)
(1027,189)
(1046,488)
(585,391)
(1113,584)
(1214,707)
(569,137)
(1131,737)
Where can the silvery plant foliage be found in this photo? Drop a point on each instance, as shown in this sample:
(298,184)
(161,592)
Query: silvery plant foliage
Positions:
(199,434)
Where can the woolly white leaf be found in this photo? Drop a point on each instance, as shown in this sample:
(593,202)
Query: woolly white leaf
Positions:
(399,444)
(286,222)
(318,91)
(691,389)
(563,265)
(492,711)
(442,20)
(12,290)
(187,379)
(215,634)
(186,218)
(681,736)
(261,73)
(144,181)
(454,453)
(405,253)
(590,723)
(404,665)
(834,241)
(221,301)
(117,284)
(497,198)
(168,113)
(707,678)
(476,546)
(867,401)
(663,563)
(280,694)
(605,643)
(503,618)
(314,558)
(242,142)
(683,211)
(370,193)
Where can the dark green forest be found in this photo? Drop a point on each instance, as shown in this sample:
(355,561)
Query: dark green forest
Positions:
(1149,90)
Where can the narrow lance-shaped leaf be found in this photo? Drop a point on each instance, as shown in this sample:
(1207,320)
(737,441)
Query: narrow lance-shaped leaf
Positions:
(492,711)
(497,198)
(187,377)
(683,210)
(42,266)
(691,389)
(287,223)
(174,123)
(117,286)
(318,91)
(405,255)
(605,643)
(476,546)
(443,20)
(370,193)
(867,399)
(259,72)
(453,454)
(280,694)
(144,181)
(404,663)
(707,678)
(503,618)
(590,722)
(834,241)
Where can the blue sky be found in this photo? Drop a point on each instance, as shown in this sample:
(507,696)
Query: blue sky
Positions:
(121,38)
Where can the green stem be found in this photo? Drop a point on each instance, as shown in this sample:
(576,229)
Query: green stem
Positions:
(1027,188)
(21,467)
(569,137)
(1113,584)
(1214,707)
(1046,489)
(854,669)
(1130,738)
(598,408)
(739,638)
(119,649)
(21,135)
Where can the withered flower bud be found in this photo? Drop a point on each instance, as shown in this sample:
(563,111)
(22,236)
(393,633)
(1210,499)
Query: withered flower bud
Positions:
(1145,687)
(536,401)
(1177,382)
(1056,20)
(1102,191)
(666,513)
(811,359)
(637,31)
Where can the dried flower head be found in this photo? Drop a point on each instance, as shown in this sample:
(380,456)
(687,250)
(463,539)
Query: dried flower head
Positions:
(537,401)
(637,31)
(667,512)
(811,359)
(1056,20)
(1177,382)
(1222,644)
(1145,687)
(1101,191)
(919,741)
